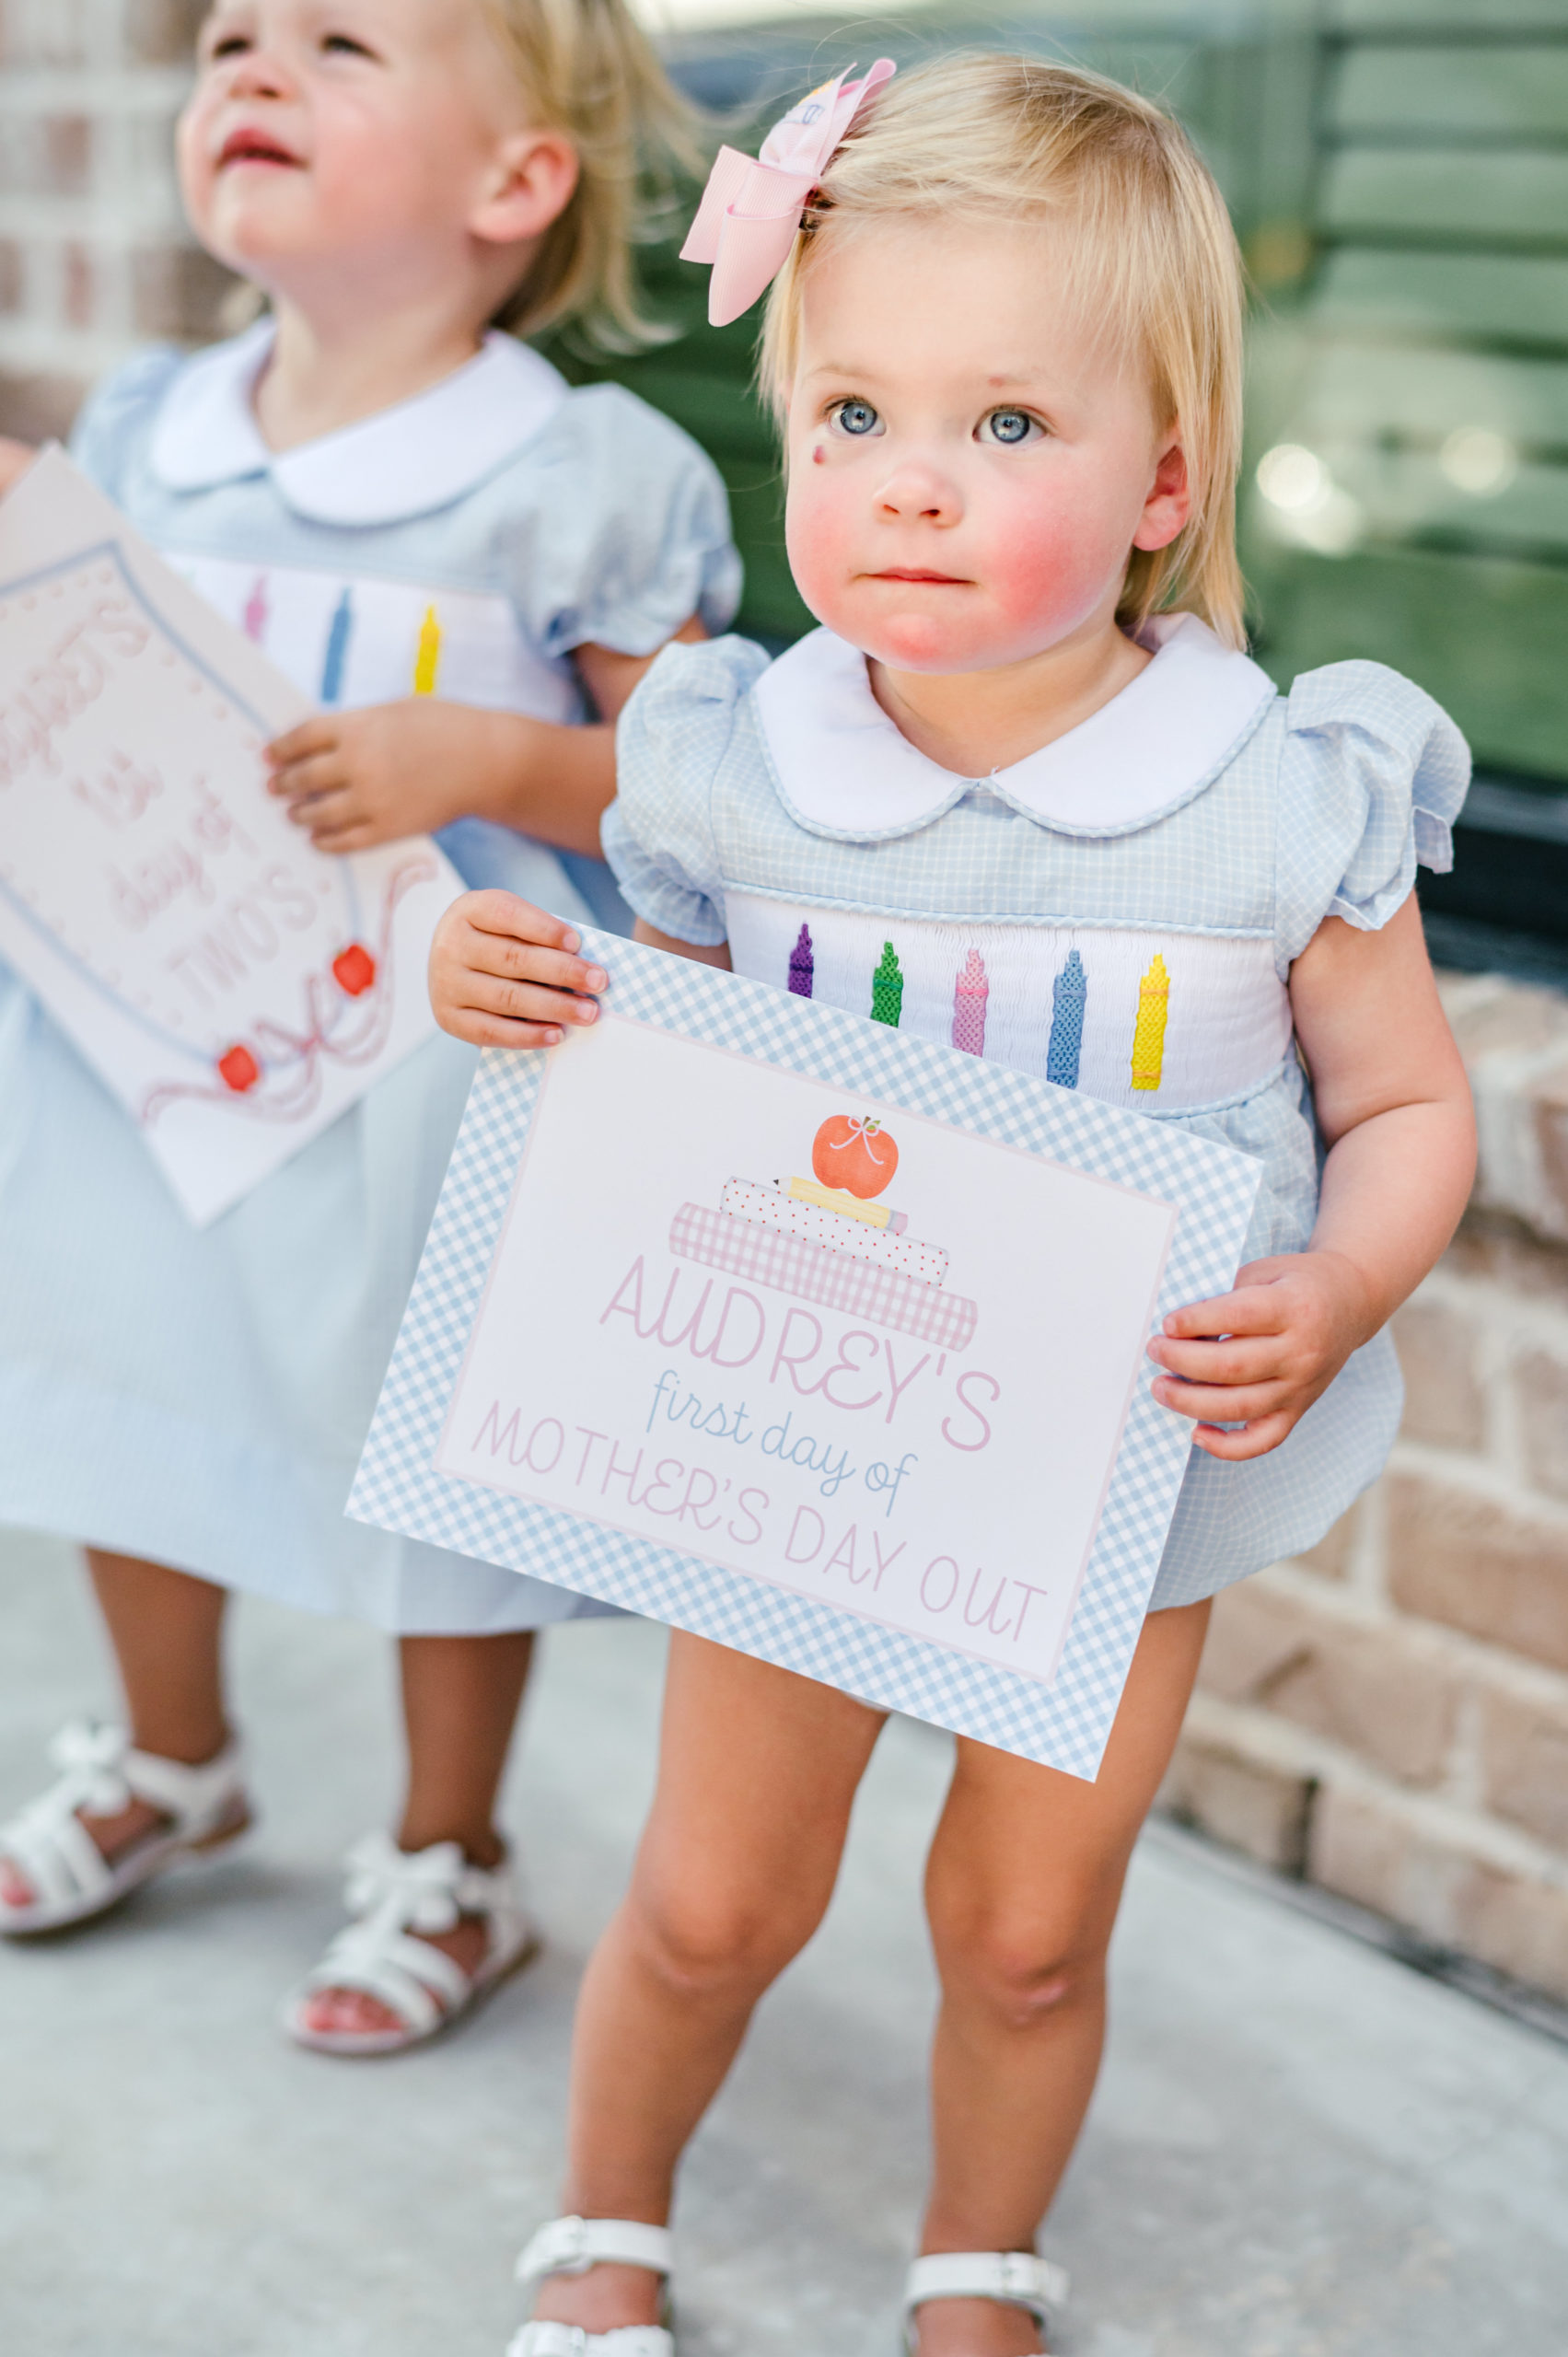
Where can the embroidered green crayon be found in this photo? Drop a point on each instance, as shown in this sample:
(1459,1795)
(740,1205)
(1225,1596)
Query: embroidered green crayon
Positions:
(887,988)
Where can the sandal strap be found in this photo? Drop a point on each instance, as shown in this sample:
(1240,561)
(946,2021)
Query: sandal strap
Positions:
(570,2246)
(396,1895)
(100,1774)
(541,2339)
(1018,2278)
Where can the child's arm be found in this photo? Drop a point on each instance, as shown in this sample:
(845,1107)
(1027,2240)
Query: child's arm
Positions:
(16,458)
(358,778)
(502,974)
(1394,1105)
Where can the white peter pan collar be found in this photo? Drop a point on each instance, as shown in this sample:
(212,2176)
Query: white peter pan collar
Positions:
(845,769)
(404,462)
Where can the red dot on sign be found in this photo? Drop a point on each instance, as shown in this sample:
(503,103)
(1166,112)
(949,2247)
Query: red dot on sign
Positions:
(354,969)
(239,1069)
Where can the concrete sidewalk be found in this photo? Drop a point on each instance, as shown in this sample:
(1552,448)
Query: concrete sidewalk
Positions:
(1299,2149)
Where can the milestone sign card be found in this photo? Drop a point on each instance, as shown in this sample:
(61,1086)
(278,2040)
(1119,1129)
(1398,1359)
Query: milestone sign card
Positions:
(235,988)
(823,1343)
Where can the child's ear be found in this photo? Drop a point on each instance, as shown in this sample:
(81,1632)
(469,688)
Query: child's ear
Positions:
(529,185)
(1170,502)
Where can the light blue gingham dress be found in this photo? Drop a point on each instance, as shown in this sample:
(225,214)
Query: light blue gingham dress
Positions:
(200,1398)
(1320,804)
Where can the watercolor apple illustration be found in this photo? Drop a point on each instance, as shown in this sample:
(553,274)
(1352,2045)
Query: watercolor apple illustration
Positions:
(855,1153)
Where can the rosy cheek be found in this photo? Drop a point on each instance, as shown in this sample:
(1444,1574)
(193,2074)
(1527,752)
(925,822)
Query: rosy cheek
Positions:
(1048,565)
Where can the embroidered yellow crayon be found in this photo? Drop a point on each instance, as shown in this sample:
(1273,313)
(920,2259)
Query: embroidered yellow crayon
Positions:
(427,656)
(1148,1034)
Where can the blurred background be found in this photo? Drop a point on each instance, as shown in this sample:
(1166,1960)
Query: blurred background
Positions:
(1385,1721)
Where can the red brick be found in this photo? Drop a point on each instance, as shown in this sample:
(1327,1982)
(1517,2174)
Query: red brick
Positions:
(67,151)
(1373,1687)
(79,280)
(1257,1805)
(12,275)
(163,32)
(1443,1396)
(178,291)
(1374,1848)
(1541,1388)
(35,407)
(1477,1566)
(1524,1745)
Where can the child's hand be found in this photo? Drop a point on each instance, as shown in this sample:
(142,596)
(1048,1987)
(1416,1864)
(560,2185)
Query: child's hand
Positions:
(1287,1330)
(504,975)
(356,778)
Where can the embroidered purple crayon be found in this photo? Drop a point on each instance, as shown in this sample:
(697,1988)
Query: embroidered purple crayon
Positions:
(969,993)
(887,988)
(1068,994)
(802,965)
(337,649)
(255,616)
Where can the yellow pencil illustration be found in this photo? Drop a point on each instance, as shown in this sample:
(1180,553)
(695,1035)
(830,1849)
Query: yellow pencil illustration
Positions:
(427,656)
(1149,1035)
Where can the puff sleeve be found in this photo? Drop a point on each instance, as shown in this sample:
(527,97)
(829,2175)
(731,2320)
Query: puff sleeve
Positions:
(1373,774)
(632,539)
(119,413)
(671,743)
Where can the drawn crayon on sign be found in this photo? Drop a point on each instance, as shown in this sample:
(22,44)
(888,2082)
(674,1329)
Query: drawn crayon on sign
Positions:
(802,964)
(1148,1034)
(969,993)
(1069,995)
(427,659)
(887,988)
(337,649)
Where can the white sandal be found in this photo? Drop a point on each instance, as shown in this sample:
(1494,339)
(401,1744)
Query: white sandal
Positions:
(71,1880)
(570,2247)
(1014,2277)
(393,1896)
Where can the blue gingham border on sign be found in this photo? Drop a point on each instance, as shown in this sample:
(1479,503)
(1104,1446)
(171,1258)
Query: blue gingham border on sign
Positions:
(1065,1725)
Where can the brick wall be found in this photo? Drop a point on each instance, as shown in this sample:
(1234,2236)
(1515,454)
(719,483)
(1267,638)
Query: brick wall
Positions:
(93,254)
(1389,1715)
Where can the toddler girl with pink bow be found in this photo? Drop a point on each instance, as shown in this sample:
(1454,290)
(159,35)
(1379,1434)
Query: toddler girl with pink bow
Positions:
(1004,342)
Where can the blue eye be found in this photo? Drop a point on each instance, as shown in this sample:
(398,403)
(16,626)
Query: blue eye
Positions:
(1009,427)
(856,417)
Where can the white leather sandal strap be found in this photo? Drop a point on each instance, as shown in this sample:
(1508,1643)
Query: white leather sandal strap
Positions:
(194,1798)
(1016,2277)
(570,2246)
(544,2339)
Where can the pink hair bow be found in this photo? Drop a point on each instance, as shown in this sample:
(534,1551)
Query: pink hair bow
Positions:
(752,207)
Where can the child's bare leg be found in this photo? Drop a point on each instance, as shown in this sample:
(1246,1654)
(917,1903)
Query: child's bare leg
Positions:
(1022,1887)
(461,1699)
(166,1629)
(758,1770)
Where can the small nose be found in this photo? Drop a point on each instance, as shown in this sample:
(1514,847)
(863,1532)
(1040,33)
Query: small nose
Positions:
(256,75)
(915,490)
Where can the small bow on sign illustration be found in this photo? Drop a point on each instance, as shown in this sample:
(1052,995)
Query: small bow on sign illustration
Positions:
(855,1153)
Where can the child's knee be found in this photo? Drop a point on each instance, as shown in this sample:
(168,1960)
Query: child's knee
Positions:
(700,1944)
(1023,1966)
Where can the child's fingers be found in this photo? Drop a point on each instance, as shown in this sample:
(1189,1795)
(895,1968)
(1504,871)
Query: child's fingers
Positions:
(511,960)
(1251,1309)
(520,1002)
(1238,1358)
(1213,1403)
(313,774)
(316,735)
(1256,1441)
(507,918)
(497,1030)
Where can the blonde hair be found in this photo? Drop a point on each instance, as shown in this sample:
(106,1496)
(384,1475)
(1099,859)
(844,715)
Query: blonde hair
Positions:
(989,137)
(587,69)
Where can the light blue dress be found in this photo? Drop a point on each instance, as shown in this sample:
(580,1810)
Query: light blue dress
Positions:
(200,1398)
(1118,912)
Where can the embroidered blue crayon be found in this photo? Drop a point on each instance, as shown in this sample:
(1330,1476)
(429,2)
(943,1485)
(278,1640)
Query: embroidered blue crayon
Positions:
(887,988)
(1068,993)
(337,649)
(802,964)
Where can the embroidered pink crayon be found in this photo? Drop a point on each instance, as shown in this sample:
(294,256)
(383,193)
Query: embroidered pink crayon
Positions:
(802,965)
(969,993)
(255,616)
(1148,1034)
(427,656)
(1069,995)
(887,988)
(337,649)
